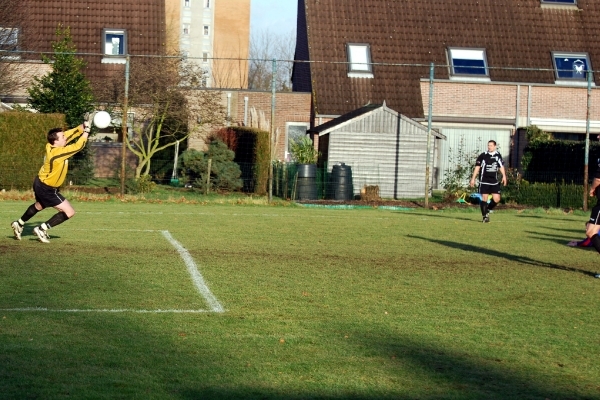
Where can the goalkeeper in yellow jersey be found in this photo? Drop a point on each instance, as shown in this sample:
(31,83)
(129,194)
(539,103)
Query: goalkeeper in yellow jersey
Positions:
(51,176)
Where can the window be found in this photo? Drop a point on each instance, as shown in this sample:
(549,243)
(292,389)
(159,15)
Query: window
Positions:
(186,29)
(207,3)
(293,131)
(206,30)
(571,66)
(468,62)
(187,3)
(359,60)
(9,41)
(115,42)
(204,57)
(573,2)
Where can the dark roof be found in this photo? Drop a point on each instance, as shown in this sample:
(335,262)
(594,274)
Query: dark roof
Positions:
(344,118)
(144,21)
(514,33)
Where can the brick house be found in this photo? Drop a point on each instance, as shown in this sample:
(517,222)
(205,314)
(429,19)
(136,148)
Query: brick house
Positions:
(499,65)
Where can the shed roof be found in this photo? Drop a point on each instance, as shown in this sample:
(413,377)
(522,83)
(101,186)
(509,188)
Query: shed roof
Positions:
(414,33)
(364,112)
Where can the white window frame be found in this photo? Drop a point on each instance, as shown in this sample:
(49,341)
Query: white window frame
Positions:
(186,3)
(359,60)
(287,156)
(186,29)
(205,57)
(206,3)
(564,54)
(111,58)
(206,30)
(460,53)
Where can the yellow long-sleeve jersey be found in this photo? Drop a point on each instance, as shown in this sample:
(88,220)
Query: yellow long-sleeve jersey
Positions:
(56,161)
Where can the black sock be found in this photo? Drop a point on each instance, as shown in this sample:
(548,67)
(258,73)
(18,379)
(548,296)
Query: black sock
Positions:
(596,242)
(492,205)
(484,207)
(57,219)
(31,211)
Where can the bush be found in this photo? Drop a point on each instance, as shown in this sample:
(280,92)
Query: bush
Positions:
(22,143)
(251,148)
(140,185)
(456,179)
(224,172)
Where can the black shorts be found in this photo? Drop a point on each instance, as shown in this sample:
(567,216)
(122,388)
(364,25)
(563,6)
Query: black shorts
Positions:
(595,216)
(486,188)
(47,196)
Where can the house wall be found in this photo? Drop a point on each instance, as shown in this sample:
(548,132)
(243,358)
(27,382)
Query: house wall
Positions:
(107,159)
(289,107)
(231,41)
(551,107)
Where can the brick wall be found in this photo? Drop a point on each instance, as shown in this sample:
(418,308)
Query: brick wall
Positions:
(289,107)
(499,100)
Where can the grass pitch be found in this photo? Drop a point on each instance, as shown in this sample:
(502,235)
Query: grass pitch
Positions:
(316,303)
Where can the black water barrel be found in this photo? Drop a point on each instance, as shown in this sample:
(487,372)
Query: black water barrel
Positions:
(306,185)
(340,183)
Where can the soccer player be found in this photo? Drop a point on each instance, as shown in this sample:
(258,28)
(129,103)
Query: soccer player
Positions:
(487,166)
(51,176)
(593,225)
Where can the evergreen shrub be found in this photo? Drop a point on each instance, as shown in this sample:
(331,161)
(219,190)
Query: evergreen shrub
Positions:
(251,148)
(224,172)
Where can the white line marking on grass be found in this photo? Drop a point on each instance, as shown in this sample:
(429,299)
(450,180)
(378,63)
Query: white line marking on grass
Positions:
(124,310)
(197,278)
(192,268)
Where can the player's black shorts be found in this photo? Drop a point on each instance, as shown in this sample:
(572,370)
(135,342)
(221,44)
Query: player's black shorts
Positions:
(595,215)
(47,196)
(489,189)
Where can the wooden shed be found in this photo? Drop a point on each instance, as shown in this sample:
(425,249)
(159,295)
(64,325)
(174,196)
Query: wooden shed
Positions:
(382,147)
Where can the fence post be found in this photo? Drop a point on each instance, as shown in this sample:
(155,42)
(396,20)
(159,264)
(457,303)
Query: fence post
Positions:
(124,126)
(208,176)
(428,159)
(272,133)
(587,141)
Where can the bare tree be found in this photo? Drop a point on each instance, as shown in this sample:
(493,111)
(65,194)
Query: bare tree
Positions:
(264,47)
(13,73)
(169,102)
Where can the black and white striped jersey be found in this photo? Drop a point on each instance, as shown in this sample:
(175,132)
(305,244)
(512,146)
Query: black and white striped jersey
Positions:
(490,164)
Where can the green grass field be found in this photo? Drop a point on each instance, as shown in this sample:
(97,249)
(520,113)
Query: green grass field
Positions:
(192,301)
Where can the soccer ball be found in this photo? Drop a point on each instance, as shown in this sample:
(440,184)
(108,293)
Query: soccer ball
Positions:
(102,119)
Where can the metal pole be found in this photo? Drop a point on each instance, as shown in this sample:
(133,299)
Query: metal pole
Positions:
(124,126)
(427,167)
(272,133)
(587,141)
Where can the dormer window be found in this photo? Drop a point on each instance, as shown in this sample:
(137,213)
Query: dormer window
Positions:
(468,62)
(568,2)
(571,66)
(359,60)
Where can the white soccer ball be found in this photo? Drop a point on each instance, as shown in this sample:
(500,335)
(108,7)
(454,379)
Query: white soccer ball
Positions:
(102,119)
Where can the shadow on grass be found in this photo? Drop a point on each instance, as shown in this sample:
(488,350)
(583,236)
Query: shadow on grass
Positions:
(507,256)
(474,218)
(460,375)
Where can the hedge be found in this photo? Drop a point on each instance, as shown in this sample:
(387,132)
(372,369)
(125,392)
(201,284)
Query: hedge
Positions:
(22,144)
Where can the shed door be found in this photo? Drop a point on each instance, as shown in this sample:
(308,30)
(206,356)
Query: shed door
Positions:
(473,143)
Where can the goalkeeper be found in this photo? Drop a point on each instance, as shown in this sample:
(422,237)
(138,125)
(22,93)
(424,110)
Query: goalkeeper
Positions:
(59,149)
